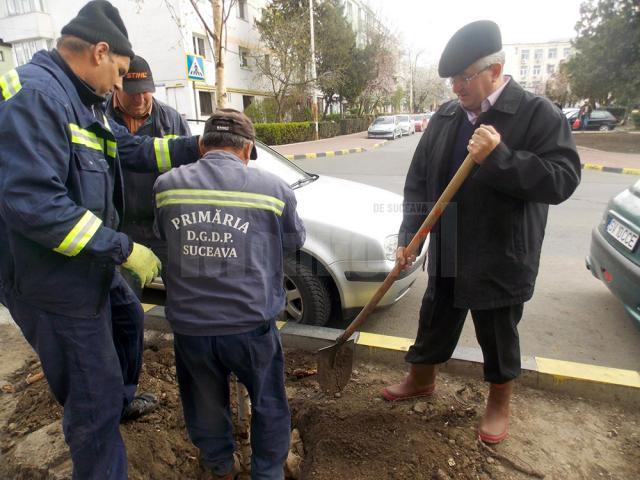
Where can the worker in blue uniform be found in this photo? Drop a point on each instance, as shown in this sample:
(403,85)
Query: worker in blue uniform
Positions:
(226,226)
(61,162)
(135,108)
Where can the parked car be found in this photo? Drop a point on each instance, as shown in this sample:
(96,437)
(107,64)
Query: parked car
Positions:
(406,124)
(614,257)
(600,120)
(419,122)
(350,245)
(385,127)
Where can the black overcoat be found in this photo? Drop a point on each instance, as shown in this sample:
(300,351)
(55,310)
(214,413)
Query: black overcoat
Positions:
(491,235)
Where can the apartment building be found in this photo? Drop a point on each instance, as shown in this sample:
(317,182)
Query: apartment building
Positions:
(532,64)
(165,32)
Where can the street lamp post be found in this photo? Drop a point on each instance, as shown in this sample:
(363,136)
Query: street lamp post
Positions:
(314,104)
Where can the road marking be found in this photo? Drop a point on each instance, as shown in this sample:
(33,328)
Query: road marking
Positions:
(563,370)
(375,340)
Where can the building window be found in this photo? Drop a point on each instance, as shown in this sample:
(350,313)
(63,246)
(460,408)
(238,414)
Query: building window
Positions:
(23,51)
(536,70)
(247,100)
(267,62)
(20,7)
(206,103)
(524,71)
(1,56)
(551,69)
(242,9)
(525,54)
(566,52)
(552,53)
(538,55)
(244,57)
(200,46)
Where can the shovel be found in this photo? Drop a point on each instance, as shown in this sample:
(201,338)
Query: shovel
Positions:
(335,362)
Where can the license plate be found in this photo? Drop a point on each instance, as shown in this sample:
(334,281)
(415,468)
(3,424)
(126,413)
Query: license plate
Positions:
(622,234)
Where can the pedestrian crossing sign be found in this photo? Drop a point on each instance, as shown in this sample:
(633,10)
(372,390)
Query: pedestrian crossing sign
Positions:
(195,68)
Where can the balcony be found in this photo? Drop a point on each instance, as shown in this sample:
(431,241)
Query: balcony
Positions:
(28,25)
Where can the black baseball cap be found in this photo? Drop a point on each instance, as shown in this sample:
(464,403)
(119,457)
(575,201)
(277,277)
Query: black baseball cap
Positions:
(228,120)
(139,78)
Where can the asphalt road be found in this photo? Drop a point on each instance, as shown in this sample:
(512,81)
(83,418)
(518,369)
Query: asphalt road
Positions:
(572,316)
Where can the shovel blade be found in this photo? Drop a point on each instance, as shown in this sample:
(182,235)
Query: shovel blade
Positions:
(335,364)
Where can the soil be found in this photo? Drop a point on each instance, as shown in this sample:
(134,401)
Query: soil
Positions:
(620,142)
(351,435)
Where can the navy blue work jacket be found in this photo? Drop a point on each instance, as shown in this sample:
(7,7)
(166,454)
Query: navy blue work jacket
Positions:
(60,162)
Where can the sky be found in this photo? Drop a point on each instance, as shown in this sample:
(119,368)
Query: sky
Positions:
(427,25)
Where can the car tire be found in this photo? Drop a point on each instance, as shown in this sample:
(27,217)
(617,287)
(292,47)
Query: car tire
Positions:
(307,296)
(604,128)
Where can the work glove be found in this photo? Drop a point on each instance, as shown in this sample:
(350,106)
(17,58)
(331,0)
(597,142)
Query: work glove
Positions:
(143,264)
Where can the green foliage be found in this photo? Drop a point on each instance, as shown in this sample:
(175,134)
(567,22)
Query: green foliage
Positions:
(262,111)
(293,132)
(283,133)
(606,66)
(636,119)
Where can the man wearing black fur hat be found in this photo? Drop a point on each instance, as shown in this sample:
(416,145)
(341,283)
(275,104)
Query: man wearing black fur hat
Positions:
(61,162)
(484,254)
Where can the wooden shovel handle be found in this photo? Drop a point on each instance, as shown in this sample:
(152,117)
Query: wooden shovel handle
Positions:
(451,189)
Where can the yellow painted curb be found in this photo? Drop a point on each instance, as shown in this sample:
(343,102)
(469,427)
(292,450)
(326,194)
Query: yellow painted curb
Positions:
(384,341)
(591,166)
(289,157)
(310,155)
(562,370)
(330,153)
(631,171)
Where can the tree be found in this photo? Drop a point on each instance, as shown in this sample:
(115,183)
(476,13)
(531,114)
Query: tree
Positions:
(282,61)
(557,88)
(335,49)
(429,89)
(606,67)
(218,35)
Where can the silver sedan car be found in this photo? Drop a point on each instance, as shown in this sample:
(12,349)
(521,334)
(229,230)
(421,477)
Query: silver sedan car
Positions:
(350,245)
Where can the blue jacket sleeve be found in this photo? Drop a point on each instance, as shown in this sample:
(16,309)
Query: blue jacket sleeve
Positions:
(34,167)
(149,154)
(293,231)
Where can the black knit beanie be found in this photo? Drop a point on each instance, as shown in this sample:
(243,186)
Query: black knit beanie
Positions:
(99,21)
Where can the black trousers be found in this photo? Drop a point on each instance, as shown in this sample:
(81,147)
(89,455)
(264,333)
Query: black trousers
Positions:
(441,324)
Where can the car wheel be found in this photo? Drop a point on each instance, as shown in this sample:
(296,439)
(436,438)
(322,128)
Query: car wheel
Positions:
(604,128)
(308,300)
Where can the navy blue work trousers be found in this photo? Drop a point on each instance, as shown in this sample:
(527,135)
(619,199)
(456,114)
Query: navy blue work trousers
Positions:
(203,365)
(92,365)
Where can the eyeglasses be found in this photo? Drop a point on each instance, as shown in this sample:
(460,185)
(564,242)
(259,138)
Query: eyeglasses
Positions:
(466,80)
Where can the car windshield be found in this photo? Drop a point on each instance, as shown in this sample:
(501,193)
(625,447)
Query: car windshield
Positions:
(403,118)
(383,120)
(273,162)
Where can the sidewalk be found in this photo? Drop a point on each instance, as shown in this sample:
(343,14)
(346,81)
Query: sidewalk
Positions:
(590,158)
(329,147)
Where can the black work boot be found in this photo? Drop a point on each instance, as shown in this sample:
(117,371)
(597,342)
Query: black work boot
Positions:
(140,405)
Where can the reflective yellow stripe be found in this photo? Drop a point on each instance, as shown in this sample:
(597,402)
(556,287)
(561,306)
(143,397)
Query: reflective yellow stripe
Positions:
(91,140)
(163,158)
(112,148)
(170,136)
(85,137)
(10,84)
(79,235)
(221,198)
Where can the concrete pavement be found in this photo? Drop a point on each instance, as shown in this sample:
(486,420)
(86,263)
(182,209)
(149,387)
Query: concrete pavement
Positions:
(358,142)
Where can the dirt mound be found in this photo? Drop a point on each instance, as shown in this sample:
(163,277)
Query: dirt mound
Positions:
(353,434)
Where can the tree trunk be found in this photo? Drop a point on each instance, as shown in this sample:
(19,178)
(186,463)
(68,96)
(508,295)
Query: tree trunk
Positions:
(221,89)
